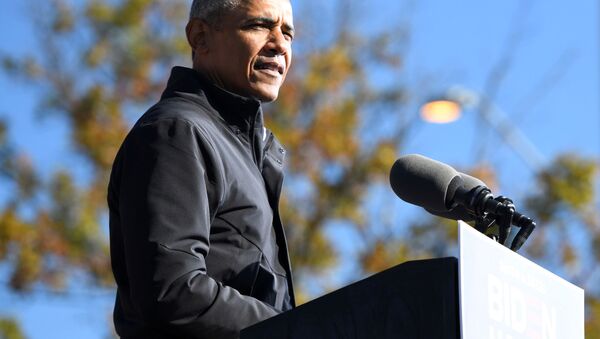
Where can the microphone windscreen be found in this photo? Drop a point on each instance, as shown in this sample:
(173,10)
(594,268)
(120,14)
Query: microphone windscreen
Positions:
(460,212)
(424,182)
(470,182)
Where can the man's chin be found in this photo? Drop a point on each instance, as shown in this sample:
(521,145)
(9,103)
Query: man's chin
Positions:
(269,98)
(266,94)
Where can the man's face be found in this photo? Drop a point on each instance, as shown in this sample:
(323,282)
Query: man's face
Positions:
(249,51)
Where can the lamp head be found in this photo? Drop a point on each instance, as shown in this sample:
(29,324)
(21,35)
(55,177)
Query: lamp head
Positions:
(440,111)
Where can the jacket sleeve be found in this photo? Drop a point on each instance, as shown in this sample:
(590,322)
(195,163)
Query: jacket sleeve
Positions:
(167,197)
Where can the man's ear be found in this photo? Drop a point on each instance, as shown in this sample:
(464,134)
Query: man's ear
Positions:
(196,32)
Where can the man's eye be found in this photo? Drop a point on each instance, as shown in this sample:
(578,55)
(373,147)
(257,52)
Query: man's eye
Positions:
(289,35)
(257,26)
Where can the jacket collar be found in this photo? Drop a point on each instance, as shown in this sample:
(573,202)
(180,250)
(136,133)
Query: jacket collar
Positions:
(235,109)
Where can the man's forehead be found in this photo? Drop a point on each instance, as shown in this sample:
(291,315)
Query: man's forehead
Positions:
(271,9)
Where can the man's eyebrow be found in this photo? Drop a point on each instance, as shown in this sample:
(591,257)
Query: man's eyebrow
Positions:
(271,22)
(289,28)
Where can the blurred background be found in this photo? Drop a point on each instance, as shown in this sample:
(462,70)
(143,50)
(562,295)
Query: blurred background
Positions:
(524,80)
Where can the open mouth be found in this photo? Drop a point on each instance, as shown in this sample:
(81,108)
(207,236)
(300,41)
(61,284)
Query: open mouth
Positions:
(274,67)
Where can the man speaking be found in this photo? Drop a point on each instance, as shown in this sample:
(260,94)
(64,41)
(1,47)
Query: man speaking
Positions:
(197,246)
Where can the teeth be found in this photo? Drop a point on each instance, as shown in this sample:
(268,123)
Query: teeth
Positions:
(270,67)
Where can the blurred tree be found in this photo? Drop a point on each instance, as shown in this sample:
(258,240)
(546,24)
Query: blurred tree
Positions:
(96,61)
(343,115)
(9,329)
(330,115)
(566,208)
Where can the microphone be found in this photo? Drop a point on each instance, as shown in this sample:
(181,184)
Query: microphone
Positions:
(424,182)
(460,212)
(438,187)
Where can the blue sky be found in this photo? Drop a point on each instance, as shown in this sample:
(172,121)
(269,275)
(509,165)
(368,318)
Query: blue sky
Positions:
(453,42)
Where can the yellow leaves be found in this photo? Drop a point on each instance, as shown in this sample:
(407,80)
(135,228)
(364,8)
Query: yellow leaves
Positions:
(567,183)
(63,20)
(97,54)
(180,46)
(570,258)
(302,297)
(319,116)
(99,11)
(384,255)
(348,208)
(27,269)
(24,175)
(592,319)
(28,245)
(333,130)
(69,233)
(9,329)
(19,240)
(74,217)
(49,227)
(329,71)
(26,67)
(382,159)
(64,232)
(377,259)
(51,234)
(85,234)
(127,14)
(10,227)
(65,198)
(571,179)
(320,245)
(131,12)
(287,105)
(312,250)
(126,45)
(99,126)
(141,84)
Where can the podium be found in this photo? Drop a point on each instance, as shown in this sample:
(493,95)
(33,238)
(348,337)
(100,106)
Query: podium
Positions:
(488,292)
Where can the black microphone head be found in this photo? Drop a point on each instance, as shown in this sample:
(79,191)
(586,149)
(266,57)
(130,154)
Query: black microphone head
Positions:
(424,182)
(470,182)
(460,212)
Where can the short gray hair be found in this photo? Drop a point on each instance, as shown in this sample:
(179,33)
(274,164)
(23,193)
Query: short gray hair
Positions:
(211,10)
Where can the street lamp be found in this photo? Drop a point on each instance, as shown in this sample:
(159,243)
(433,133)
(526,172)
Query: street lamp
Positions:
(440,111)
(448,108)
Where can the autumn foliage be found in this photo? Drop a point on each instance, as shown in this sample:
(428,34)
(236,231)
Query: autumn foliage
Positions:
(104,62)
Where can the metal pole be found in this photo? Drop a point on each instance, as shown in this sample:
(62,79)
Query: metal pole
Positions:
(498,119)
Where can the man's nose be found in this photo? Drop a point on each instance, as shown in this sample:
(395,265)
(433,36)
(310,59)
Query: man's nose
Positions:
(278,44)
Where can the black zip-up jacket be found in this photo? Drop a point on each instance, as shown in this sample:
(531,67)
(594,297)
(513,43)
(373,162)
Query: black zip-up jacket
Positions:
(197,245)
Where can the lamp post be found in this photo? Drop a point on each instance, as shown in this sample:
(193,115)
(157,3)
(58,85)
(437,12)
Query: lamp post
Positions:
(448,108)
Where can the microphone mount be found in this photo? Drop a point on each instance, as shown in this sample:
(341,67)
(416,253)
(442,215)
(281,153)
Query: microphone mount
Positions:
(489,211)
